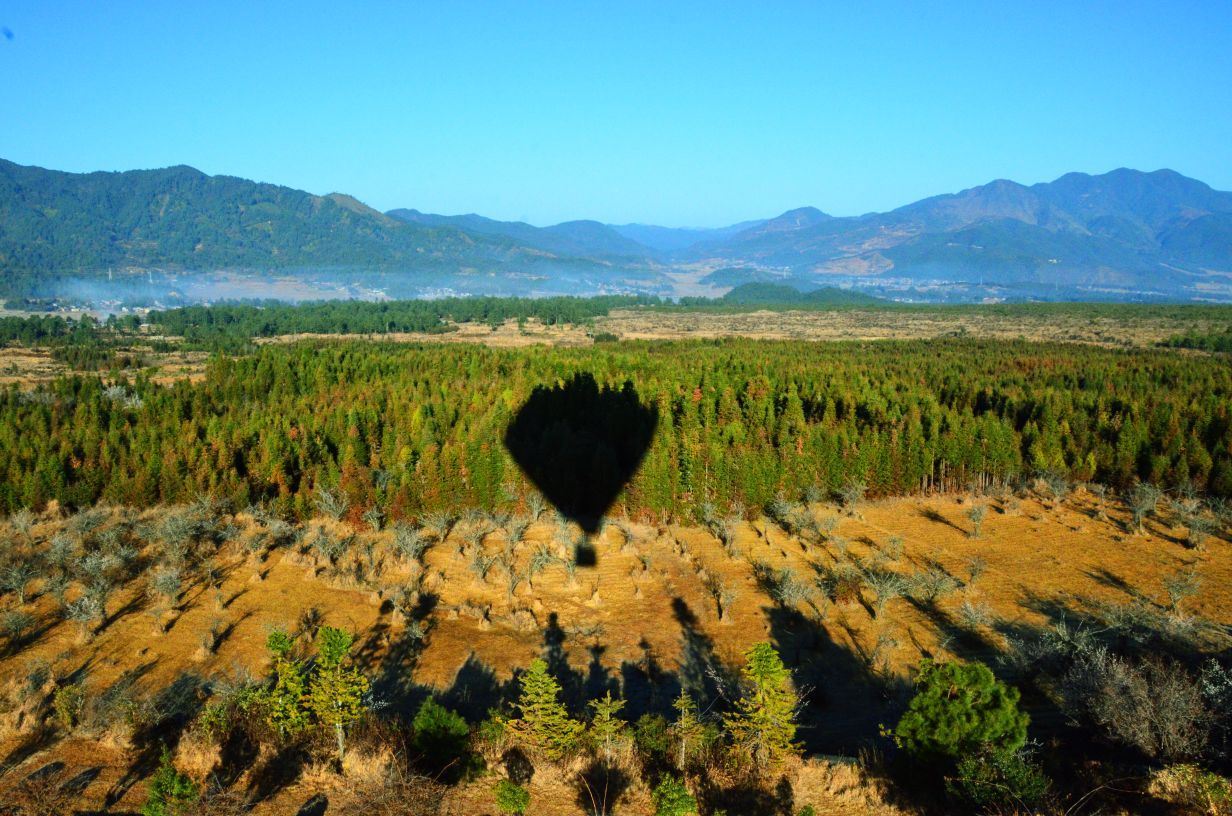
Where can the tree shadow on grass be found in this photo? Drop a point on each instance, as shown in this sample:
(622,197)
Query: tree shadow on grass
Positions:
(703,674)
(600,788)
(42,737)
(747,797)
(280,771)
(171,711)
(647,687)
(845,700)
(934,516)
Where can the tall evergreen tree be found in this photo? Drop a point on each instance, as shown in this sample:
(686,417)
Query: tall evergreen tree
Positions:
(336,692)
(544,723)
(763,725)
(607,729)
(687,730)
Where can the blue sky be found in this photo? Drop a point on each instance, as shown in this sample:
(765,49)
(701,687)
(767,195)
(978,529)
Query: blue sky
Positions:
(675,113)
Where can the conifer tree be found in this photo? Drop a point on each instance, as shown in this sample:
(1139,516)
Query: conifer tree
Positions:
(763,724)
(687,729)
(285,701)
(959,710)
(544,723)
(335,695)
(607,729)
(170,792)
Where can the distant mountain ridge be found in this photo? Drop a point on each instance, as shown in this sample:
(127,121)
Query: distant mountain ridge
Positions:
(575,238)
(1159,231)
(1126,232)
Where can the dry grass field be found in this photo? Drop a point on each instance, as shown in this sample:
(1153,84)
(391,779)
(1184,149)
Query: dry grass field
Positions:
(32,366)
(890,324)
(662,607)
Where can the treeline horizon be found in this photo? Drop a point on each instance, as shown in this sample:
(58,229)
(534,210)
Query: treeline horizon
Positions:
(230,326)
(412,429)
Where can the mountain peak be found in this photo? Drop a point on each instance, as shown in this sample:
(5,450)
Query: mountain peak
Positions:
(799,218)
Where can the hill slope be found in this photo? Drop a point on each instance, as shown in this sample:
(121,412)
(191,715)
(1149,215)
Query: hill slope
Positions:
(1123,234)
(180,217)
(1125,229)
(572,238)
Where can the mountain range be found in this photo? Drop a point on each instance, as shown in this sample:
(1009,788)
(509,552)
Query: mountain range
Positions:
(1125,234)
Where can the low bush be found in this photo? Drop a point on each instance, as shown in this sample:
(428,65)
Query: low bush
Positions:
(999,782)
(440,735)
(511,797)
(672,798)
(170,791)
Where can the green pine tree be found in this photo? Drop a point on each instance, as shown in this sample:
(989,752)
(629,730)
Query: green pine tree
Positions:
(544,723)
(960,709)
(285,701)
(171,792)
(607,729)
(336,692)
(687,729)
(763,724)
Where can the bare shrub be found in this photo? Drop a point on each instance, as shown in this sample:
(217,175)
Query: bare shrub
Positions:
(976,565)
(86,611)
(842,584)
(409,544)
(330,503)
(395,794)
(723,596)
(329,546)
(535,505)
(16,627)
(1143,501)
(481,564)
(374,517)
(167,584)
(22,521)
(931,584)
(851,494)
(886,586)
(976,514)
(1182,584)
(86,521)
(975,615)
(780,511)
(15,578)
(1154,706)
(1197,529)
(515,530)
(540,560)
(439,524)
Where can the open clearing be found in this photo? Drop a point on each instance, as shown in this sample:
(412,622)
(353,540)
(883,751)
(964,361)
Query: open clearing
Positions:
(904,324)
(644,618)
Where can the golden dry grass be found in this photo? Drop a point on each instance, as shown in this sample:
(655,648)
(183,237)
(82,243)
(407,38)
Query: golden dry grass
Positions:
(883,324)
(648,598)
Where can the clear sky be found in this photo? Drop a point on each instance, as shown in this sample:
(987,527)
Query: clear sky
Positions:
(676,113)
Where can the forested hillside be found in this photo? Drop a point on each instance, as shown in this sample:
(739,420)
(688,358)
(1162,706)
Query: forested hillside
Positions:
(419,428)
(54,223)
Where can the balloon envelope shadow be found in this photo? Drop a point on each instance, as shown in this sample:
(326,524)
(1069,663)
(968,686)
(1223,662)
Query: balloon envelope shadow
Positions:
(581,444)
